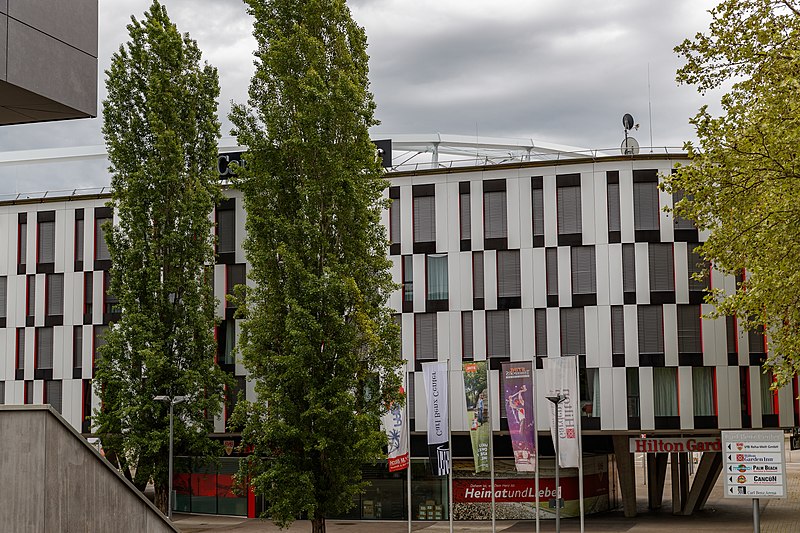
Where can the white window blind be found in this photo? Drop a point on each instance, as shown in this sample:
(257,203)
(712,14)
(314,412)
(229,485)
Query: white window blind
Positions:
(424,218)
(650,320)
(645,206)
(538,212)
(466,216)
(477,275)
(573,331)
(498,335)
(680,222)
(394,221)
(425,337)
(54,394)
(617,330)
(689,340)
(31,302)
(703,391)
(495,215)
(79,239)
(508,274)
(696,265)
(77,347)
(665,391)
(101,247)
(20,348)
(3,296)
(551,267)
(467,349)
(44,347)
(55,294)
(661,266)
(47,242)
(612,192)
(628,268)
(540,331)
(437,277)
(584,280)
(569,210)
(23,243)
(226,231)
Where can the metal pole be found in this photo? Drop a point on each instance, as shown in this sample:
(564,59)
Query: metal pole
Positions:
(491,443)
(558,481)
(169,488)
(450,450)
(756,517)
(535,415)
(408,449)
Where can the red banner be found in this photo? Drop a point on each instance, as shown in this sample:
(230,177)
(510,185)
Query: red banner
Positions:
(398,463)
(524,490)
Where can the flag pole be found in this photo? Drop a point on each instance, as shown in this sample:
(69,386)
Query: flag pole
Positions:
(580,443)
(450,448)
(535,440)
(491,440)
(408,449)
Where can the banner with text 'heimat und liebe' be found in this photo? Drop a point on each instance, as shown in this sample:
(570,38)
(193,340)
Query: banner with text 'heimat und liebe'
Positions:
(562,377)
(394,424)
(518,394)
(436,391)
(480,427)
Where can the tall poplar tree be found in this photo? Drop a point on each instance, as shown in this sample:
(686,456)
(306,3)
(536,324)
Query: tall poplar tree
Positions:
(743,183)
(161,131)
(318,339)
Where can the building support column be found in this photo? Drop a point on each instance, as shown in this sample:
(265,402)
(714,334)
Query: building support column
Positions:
(684,477)
(627,474)
(656,476)
(707,473)
(677,505)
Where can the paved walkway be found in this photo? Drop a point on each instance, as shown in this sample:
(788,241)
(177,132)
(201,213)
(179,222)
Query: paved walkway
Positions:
(720,514)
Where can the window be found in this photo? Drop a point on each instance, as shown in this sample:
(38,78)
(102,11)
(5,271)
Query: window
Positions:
(236,275)
(46,251)
(590,392)
(79,239)
(55,294)
(703,391)
(651,329)
(509,279)
(665,391)
(629,273)
(86,406)
(495,213)
(573,331)
(540,331)
(498,334)
(20,349)
(111,304)
(551,267)
(394,220)
(477,279)
(568,188)
(98,340)
(101,252)
(583,270)
(465,212)
(225,218)
(232,395)
(612,195)
(757,341)
(732,335)
(425,337)
(680,222)
(3,298)
(52,394)
(696,266)
(537,206)
(88,294)
(228,330)
(22,242)
(661,267)
(44,348)
(30,302)
(632,382)
(689,337)
(769,397)
(2,392)
(424,210)
(408,283)
(645,202)
(437,277)
(467,346)
(28,392)
(618,333)
(77,347)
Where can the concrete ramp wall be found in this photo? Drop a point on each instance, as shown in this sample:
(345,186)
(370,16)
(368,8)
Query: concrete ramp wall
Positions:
(52,480)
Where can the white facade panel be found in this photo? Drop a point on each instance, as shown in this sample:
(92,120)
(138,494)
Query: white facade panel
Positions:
(564,278)
(670,335)
(646,399)
(685,396)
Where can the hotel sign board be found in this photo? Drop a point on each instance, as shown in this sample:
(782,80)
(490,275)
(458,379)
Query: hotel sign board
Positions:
(754,464)
(677,445)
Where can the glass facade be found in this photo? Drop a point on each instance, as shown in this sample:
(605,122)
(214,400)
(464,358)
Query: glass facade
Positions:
(208,489)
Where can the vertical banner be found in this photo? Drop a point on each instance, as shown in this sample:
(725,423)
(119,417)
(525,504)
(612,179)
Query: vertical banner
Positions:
(518,395)
(480,427)
(436,391)
(562,377)
(395,426)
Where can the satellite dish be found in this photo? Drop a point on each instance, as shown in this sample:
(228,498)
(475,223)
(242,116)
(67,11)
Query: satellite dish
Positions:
(627,121)
(630,146)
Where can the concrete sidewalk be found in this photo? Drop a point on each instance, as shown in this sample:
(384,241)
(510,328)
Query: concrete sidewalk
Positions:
(720,514)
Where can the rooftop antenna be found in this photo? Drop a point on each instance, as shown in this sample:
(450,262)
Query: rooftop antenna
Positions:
(630,146)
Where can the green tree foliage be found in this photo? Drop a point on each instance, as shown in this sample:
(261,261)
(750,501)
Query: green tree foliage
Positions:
(743,183)
(319,340)
(161,131)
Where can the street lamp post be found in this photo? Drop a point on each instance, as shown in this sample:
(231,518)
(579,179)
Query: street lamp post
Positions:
(172,401)
(557,399)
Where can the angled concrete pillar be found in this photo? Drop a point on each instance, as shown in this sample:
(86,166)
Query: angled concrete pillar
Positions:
(707,473)
(627,474)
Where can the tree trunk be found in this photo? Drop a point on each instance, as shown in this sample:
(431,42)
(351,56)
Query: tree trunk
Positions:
(318,524)
(161,497)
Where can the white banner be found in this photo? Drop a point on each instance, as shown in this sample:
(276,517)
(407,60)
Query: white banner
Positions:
(562,377)
(396,428)
(436,391)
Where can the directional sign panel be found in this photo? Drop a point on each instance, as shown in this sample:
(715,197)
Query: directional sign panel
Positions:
(754,464)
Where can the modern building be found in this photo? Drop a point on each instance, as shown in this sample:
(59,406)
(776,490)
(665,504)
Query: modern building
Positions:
(48,60)
(544,254)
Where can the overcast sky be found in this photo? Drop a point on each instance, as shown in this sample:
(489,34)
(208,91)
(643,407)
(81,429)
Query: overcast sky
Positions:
(551,70)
